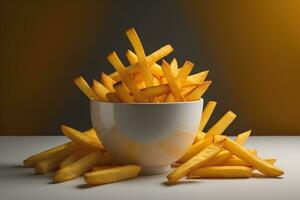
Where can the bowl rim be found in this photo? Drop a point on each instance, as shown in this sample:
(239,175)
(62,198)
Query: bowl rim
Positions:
(160,103)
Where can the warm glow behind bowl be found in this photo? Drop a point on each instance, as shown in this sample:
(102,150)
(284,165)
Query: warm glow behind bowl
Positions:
(150,135)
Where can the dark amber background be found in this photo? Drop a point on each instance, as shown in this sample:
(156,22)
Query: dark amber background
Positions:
(252,49)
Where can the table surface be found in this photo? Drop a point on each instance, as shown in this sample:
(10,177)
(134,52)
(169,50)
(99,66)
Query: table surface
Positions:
(17,182)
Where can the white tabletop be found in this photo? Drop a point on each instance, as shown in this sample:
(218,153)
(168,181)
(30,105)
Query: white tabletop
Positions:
(17,182)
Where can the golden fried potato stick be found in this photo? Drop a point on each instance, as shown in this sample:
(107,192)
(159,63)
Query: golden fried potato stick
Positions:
(113,97)
(118,65)
(195,162)
(197,93)
(131,57)
(159,54)
(73,157)
(79,167)
(196,79)
(240,162)
(208,110)
(100,90)
(221,125)
(81,139)
(155,90)
(156,81)
(258,163)
(123,93)
(163,80)
(222,172)
(111,175)
(187,89)
(172,82)
(139,49)
(195,149)
(108,82)
(199,136)
(174,67)
(84,87)
(97,168)
(52,162)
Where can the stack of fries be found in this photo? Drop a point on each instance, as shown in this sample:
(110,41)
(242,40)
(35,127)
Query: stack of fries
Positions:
(211,156)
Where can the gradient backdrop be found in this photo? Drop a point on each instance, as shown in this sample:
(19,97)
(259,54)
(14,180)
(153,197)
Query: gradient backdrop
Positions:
(252,49)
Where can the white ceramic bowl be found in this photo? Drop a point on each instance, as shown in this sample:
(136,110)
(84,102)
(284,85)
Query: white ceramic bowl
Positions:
(148,134)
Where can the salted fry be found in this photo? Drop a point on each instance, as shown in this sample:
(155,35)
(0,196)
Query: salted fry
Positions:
(195,149)
(172,82)
(122,92)
(118,65)
(108,82)
(196,79)
(208,110)
(78,167)
(221,125)
(113,97)
(258,163)
(82,140)
(112,175)
(52,163)
(100,90)
(222,172)
(84,87)
(197,93)
(195,162)
(72,158)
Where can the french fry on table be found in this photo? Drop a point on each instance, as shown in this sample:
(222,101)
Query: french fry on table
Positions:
(73,157)
(84,87)
(82,140)
(197,93)
(80,166)
(126,78)
(195,162)
(112,174)
(123,93)
(221,125)
(258,163)
(108,82)
(207,112)
(221,172)
(100,90)
(240,162)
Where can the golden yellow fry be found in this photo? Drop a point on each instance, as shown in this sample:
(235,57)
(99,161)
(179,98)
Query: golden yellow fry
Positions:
(174,67)
(222,172)
(100,91)
(84,87)
(155,90)
(195,149)
(208,110)
(175,164)
(184,72)
(159,54)
(52,163)
(112,175)
(156,81)
(118,65)
(113,97)
(197,93)
(131,57)
(33,160)
(108,82)
(239,162)
(172,82)
(221,125)
(195,162)
(72,158)
(170,98)
(258,163)
(78,167)
(199,136)
(162,98)
(139,78)
(123,93)
(196,79)
(82,140)
(187,89)
(163,81)
(96,168)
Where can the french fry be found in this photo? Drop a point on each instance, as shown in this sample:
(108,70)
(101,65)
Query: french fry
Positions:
(221,125)
(131,57)
(100,90)
(84,87)
(72,158)
(78,167)
(112,175)
(97,168)
(172,82)
(163,81)
(156,81)
(196,79)
(162,98)
(155,90)
(187,89)
(195,162)
(208,110)
(174,67)
(108,82)
(82,140)
(118,65)
(159,54)
(221,172)
(240,162)
(195,149)
(52,162)
(199,136)
(184,72)
(113,97)
(258,163)
(197,93)
(122,92)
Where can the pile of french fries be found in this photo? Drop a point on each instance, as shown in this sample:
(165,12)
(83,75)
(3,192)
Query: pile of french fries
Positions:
(212,155)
